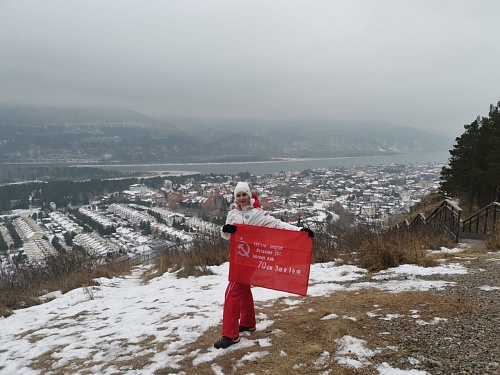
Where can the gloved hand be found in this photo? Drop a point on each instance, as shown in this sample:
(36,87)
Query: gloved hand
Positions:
(229,228)
(310,233)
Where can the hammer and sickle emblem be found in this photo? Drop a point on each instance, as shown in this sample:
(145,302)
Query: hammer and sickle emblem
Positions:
(244,249)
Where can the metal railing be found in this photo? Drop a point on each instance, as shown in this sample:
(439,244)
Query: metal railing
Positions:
(448,215)
(418,222)
(483,221)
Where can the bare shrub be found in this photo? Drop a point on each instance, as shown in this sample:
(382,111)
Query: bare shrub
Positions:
(351,239)
(111,269)
(24,285)
(346,219)
(375,248)
(324,246)
(436,239)
(395,247)
(493,240)
(210,249)
(193,260)
(89,292)
(339,242)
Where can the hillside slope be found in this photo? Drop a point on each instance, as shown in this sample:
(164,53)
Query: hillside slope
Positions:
(419,320)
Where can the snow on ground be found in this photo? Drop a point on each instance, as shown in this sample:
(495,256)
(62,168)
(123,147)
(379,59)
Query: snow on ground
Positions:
(94,323)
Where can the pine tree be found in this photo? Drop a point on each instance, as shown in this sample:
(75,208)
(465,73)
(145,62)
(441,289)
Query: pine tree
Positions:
(473,173)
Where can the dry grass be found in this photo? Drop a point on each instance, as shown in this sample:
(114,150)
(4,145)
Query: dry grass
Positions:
(46,360)
(23,286)
(386,251)
(205,251)
(493,240)
(299,337)
(426,205)
(111,270)
(375,250)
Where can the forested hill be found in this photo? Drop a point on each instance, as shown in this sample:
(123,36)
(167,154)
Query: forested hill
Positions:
(30,134)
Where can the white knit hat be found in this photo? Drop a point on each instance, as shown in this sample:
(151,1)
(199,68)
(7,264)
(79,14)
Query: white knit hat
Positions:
(242,187)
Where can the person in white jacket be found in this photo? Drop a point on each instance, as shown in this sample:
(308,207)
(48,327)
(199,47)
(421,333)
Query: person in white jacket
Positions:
(239,310)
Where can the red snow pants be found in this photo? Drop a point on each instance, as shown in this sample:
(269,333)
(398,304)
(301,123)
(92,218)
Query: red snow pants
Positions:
(238,309)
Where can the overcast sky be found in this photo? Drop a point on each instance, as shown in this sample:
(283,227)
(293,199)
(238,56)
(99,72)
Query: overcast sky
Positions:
(429,64)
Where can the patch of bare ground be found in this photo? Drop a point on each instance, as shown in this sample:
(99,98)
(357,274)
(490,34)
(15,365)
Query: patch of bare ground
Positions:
(26,333)
(127,362)
(79,316)
(46,360)
(122,362)
(299,337)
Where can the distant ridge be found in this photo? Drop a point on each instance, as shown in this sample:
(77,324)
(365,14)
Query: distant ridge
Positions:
(313,138)
(34,134)
(116,135)
(39,116)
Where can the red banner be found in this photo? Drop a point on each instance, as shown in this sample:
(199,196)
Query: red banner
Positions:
(276,259)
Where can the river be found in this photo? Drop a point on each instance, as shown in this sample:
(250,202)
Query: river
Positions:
(265,167)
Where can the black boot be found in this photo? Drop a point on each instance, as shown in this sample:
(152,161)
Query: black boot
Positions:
(247,329)
(225,342)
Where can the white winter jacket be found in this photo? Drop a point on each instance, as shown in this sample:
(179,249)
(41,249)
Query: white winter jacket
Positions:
(255,216)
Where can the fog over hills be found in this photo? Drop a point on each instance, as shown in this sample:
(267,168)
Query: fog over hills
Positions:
(40,116)
(31,134)
(312,138)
